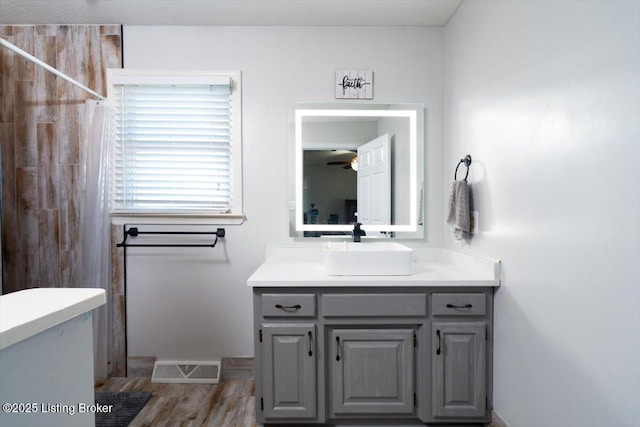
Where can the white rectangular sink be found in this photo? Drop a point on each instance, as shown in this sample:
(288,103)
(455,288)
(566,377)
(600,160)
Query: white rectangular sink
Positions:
(367,259)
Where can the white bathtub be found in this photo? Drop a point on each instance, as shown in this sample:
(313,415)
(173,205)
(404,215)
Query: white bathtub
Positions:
(46,357)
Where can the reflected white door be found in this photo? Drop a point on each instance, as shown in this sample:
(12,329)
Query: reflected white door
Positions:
(374,181)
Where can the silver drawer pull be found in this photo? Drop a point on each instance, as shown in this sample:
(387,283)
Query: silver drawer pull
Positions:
(459,306)
(289,307)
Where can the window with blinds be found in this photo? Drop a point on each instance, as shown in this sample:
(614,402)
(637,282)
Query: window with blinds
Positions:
(176,145)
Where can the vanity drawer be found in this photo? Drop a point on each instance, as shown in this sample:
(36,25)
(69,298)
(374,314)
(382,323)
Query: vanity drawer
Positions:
(360,305)
(288,305)
(458,304)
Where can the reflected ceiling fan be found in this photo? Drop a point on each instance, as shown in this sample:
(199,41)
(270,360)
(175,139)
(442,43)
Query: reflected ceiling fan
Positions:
(351,163)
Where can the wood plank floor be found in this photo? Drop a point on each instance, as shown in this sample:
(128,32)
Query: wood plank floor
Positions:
(229,403)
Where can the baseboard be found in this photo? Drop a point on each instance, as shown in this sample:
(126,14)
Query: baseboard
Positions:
(186,371)
(496,421)
(232,367)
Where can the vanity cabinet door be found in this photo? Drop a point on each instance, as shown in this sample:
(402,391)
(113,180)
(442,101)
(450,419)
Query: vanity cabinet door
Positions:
(459,369)
(372,371)
(289,370)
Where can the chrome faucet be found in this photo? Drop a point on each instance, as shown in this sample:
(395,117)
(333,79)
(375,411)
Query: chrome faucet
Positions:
(358,232)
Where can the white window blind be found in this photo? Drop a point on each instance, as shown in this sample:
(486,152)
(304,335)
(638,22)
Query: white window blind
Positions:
(173,149)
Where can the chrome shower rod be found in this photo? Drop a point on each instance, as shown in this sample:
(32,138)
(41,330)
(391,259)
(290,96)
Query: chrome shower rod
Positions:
(48,67)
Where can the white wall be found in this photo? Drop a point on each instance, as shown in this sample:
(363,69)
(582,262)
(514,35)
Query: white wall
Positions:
(544,95)
(194,303)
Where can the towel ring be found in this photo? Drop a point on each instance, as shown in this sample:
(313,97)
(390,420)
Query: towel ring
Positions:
(467,162)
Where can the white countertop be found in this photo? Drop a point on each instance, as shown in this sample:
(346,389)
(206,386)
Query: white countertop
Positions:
(31,311)
(301,266)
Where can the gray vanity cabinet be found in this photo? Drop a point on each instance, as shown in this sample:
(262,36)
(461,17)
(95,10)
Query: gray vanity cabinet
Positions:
(289,370)
(286,358)
(365,355)
(372,371)
(459,369)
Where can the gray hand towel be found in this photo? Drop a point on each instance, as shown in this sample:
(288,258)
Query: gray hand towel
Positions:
(460,210)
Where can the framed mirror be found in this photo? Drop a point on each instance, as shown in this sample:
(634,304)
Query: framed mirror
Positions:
(357,163)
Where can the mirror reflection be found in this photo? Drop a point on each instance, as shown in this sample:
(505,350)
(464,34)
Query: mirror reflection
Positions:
(357,164)
(330,193)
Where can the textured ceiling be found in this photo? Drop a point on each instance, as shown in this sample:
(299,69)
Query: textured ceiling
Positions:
(228,12)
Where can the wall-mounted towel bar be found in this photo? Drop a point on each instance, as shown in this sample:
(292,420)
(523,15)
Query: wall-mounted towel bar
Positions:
(467,161)
(134,232)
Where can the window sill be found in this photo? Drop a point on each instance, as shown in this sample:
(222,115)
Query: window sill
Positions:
(121,218)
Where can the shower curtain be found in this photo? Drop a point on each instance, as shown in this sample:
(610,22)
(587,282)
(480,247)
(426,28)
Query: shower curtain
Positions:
(94,253)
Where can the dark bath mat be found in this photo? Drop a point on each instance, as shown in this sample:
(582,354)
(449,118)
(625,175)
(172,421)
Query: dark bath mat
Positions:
(126,405)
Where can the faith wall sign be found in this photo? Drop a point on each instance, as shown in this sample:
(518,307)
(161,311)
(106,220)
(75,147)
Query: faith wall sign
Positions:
(354,84)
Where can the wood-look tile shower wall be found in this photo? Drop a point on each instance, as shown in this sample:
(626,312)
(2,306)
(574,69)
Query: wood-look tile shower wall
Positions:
(42,128)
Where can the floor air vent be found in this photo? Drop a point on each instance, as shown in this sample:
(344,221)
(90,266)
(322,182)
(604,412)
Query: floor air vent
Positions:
(184,371)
